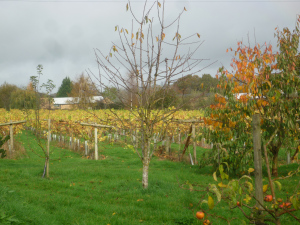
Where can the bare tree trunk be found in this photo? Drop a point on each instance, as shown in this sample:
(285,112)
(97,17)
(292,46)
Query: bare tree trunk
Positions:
(257,160)
(146,162)
(48,148)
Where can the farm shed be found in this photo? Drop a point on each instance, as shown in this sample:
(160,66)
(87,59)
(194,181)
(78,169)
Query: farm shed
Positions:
(64,102)
(69,102)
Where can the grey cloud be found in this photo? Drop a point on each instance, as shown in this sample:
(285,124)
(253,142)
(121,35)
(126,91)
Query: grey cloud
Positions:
(53,49)
(62,36)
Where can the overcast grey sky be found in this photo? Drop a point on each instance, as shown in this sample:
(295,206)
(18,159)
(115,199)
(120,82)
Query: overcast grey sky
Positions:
(62,35)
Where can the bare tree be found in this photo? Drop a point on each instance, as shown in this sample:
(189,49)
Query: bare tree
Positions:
(154,59)
(82,90)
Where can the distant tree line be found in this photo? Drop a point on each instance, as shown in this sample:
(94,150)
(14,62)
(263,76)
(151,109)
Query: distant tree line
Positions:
(197,92)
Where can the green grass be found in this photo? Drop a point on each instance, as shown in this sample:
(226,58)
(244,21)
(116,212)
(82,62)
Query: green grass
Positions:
(109,191)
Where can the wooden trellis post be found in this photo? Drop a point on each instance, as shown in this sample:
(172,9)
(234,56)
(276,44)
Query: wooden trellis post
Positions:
(194,142)
(136,139)
(96,143)
(96,131)
(11,133)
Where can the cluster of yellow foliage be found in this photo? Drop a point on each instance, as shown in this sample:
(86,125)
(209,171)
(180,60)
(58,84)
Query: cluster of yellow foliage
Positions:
(68,122)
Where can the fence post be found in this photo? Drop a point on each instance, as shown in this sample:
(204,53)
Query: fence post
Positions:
(96,144)
(74,143)
(191,158)
(124,136)
(11,132)
(257,159)
(194,142)
(202,142)
(136,139)
(85,148)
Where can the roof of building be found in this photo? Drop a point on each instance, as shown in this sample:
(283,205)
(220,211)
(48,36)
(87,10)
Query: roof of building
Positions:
(239,95)
(75,100)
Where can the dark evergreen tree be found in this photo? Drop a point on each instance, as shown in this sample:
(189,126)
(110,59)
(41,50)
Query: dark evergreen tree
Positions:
(65,88)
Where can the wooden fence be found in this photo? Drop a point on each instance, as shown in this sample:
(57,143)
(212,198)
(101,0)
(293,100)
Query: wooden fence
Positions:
(74,142)
(11,133)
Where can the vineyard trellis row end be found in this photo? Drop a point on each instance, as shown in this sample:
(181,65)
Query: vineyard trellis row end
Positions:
(96,130)
(11,133)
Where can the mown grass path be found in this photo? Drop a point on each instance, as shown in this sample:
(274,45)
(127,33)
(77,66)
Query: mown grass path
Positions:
(109,191)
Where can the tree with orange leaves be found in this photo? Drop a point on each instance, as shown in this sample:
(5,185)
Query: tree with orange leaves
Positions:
(261,82)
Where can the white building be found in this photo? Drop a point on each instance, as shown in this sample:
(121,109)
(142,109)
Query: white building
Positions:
(68,102)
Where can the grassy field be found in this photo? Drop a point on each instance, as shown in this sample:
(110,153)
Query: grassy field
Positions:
(108,191)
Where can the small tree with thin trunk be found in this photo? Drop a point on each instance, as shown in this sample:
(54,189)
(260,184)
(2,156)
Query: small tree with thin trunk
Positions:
(49,86)
(155,58)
